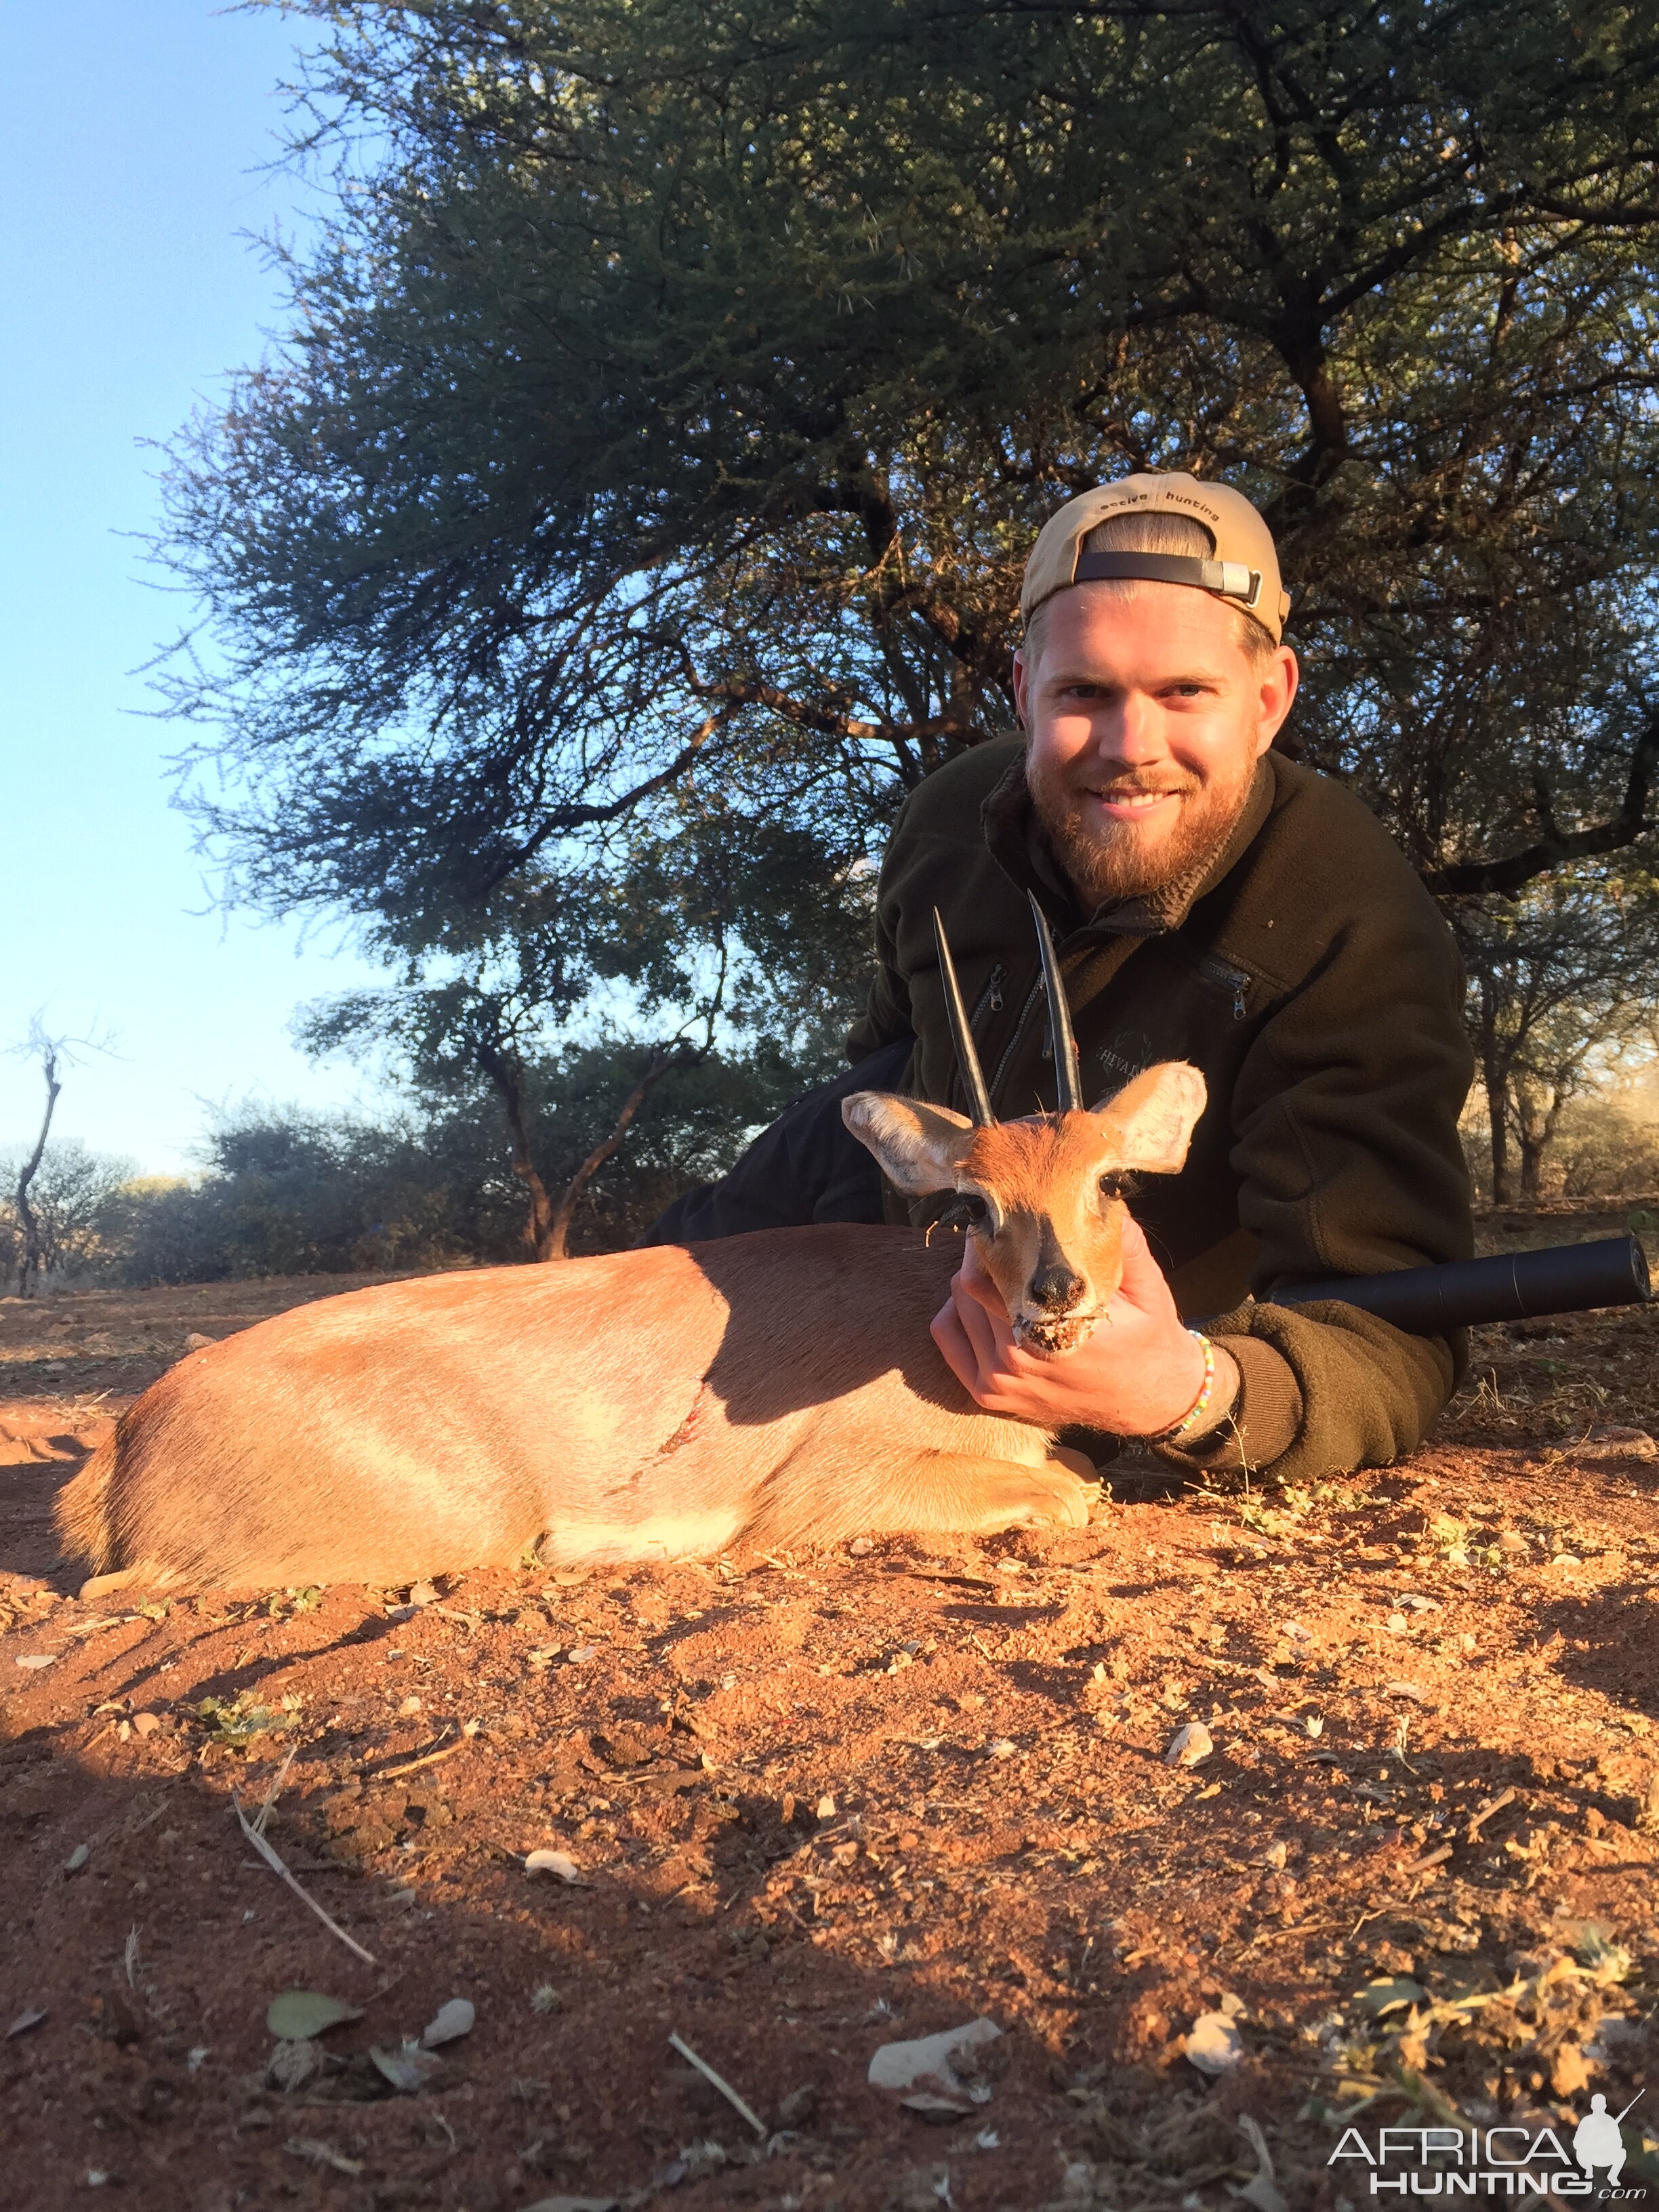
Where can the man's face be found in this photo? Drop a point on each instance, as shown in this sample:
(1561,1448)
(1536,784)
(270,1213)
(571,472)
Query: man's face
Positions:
(1146,717)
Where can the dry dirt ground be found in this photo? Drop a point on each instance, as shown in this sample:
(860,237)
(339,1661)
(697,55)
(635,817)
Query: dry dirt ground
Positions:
(828,1804)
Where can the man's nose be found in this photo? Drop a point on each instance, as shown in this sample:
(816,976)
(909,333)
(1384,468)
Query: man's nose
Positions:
(1131,734)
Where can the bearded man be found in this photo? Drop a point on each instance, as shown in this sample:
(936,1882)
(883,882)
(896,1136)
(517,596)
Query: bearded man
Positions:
(1212,901)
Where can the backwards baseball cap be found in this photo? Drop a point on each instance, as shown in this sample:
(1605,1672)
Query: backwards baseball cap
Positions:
(1244,567)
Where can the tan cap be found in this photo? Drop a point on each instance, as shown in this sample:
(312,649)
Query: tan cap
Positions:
(1243,569)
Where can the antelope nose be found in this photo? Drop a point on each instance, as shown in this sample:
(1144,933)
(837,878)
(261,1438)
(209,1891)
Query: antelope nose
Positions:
(1057,1288)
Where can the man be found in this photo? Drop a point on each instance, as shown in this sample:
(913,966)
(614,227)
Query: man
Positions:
(1212,901)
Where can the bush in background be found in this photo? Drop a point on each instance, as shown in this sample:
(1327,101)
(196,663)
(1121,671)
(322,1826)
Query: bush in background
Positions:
(284,1192)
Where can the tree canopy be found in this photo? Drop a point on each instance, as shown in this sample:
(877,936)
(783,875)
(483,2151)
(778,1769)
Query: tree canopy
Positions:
(667,405)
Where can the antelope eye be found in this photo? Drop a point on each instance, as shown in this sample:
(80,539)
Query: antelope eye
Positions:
(1116,1185)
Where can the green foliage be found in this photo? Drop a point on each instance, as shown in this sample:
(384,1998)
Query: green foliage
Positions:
(235,1722)
(634,509)
(289,1194)
(72,1195)
(286,1193)
(671,405)
(1564,980)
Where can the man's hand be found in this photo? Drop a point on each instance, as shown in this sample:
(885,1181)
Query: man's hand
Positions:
(1137,1374)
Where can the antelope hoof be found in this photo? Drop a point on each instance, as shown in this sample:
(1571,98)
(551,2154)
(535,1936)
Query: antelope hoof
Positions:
(1047,1494)
(144,1576)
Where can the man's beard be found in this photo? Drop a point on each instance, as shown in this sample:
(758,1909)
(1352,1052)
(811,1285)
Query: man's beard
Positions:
(1107,860)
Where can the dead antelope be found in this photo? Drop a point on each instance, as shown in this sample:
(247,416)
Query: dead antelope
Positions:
(765,1391)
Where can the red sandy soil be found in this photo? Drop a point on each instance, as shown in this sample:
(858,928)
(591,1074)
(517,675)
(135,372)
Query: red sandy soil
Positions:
(828,1803)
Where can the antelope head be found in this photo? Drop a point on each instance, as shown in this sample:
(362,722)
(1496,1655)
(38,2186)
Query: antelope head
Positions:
(1042,1197)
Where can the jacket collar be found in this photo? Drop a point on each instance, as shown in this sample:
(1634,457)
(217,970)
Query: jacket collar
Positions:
(1021,849)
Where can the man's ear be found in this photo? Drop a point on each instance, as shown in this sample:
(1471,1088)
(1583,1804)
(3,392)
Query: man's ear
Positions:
(920,1147)
(1152,1117)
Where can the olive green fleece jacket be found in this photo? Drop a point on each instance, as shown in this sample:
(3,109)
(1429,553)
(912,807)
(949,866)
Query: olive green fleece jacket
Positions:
(1307,972)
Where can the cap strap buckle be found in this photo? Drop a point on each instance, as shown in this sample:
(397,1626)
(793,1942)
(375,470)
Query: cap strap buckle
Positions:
(1231,580)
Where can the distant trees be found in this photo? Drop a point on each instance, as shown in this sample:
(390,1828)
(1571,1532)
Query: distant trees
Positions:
(44,1217)
(62,1228)
(1564,981)
(635,509)
(283,1192)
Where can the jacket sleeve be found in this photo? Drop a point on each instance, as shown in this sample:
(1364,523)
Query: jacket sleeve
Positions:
(1346,1146)
(886,1016)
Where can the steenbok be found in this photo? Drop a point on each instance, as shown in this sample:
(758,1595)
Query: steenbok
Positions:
(774,1390)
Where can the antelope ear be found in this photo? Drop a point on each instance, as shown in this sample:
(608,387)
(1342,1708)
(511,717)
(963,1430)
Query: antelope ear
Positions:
(920,1147)
(1152,1117)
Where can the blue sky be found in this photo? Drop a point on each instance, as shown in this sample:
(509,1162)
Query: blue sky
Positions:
(132,165)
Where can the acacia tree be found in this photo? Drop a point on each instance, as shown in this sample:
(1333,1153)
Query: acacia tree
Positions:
(704,937)
(668,406)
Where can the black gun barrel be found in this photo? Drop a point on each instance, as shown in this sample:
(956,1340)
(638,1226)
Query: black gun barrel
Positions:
(1511,1286)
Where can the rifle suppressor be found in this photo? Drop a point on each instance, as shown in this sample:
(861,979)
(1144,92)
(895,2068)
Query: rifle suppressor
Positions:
(1511,1286)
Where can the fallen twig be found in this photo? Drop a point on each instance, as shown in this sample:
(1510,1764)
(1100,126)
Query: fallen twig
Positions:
(427,1759)
(274,1863)
(1422,1865)
(716,2081)
(1478,1821)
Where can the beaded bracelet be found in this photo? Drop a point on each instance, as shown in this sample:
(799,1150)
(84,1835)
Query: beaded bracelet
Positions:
(1191,1419)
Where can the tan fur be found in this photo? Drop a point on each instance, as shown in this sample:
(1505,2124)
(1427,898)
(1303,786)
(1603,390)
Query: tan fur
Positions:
(769,1390)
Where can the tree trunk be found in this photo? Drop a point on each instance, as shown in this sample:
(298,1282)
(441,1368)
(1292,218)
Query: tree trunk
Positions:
(1498,1118)
(506,1072)
(659,1065)
(1536,1133)
(29,1268)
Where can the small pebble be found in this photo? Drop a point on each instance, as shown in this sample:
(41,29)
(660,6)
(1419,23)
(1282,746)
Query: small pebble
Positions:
(1188,1745)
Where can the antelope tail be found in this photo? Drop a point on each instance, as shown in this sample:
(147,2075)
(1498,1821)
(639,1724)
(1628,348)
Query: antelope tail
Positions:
(82,1513)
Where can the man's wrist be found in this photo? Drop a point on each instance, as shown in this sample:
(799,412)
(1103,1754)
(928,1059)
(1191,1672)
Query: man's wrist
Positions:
(1223,1400)
(1212,1402)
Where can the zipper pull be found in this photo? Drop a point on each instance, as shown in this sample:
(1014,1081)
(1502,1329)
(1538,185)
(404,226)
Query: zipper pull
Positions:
(1240,986)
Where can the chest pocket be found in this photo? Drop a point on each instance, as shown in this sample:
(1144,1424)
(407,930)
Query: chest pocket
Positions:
(1233,983)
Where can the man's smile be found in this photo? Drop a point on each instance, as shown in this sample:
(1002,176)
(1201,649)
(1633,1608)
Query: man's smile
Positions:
(1131,805)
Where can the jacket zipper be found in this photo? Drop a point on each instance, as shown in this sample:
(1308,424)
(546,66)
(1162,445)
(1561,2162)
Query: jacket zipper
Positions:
(990,997)
(1231,979)
(1019,1030)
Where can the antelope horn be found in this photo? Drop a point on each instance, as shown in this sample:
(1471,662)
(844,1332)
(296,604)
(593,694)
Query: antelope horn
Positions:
(1068,1090)
(973,1076)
